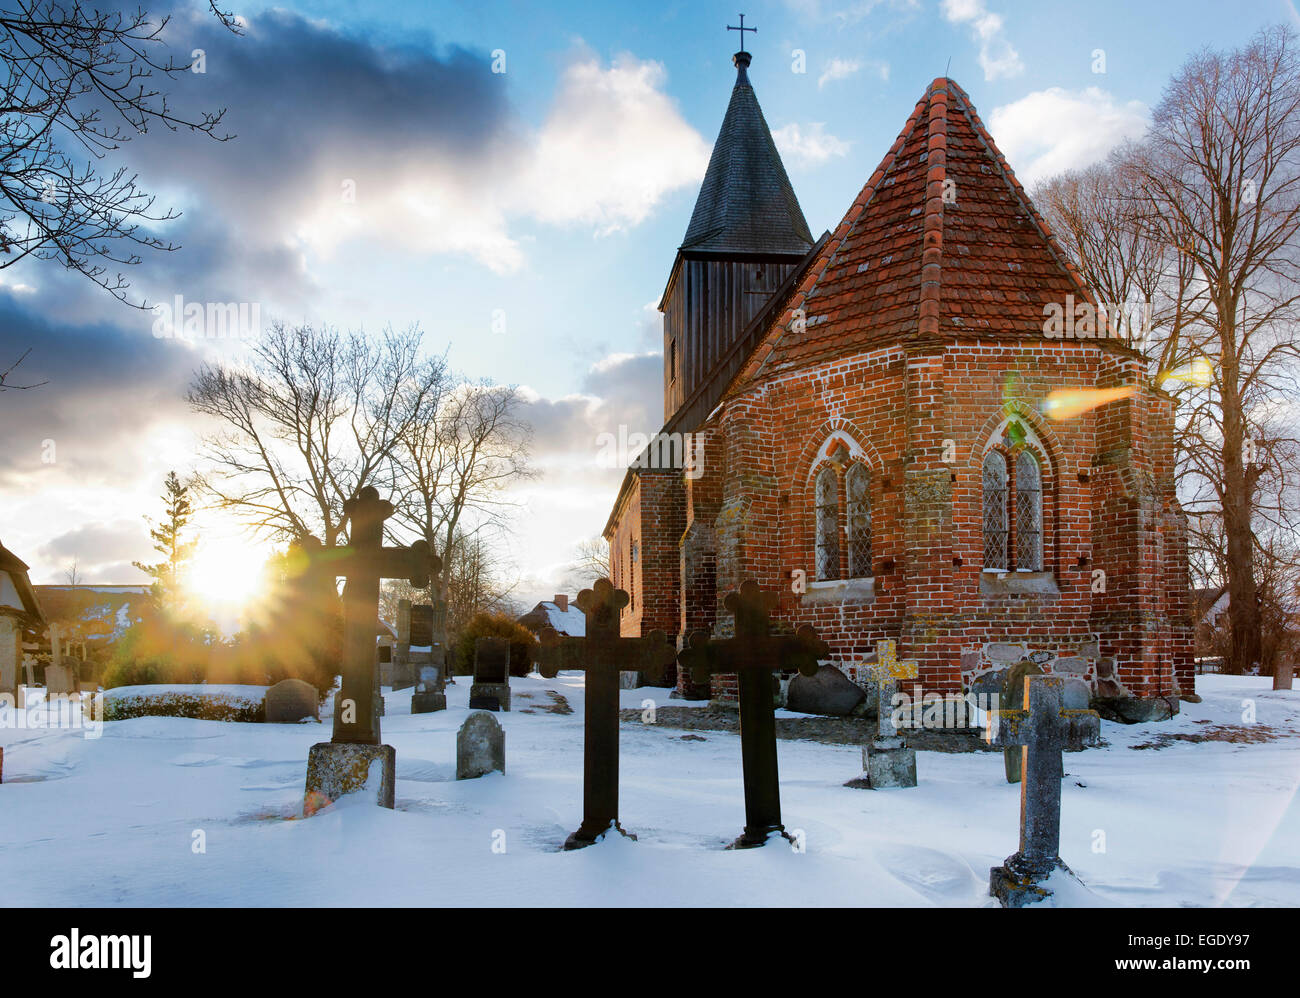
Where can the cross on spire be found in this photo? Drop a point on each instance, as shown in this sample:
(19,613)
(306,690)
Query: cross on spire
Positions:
(742,29)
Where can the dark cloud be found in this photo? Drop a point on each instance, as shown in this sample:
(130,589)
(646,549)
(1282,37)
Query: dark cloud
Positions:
(108,383)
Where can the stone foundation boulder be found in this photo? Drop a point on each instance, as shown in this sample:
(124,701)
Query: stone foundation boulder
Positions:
(828,692)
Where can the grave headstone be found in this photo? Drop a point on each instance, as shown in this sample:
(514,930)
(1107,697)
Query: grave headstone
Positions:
(344,764)
(491,687)
(1040,731)
(605,658)
(1282,675)
(421,629)
(887,760)
(1013,688)
(753,655)
(480,746)
(291,701)
(429,657)
(59,680)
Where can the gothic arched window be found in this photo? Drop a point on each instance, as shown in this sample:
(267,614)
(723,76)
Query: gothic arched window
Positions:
(995,510)
(828,525)
(1029,513)
(858,509)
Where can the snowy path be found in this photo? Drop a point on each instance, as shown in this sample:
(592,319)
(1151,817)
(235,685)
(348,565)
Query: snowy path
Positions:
(111,821)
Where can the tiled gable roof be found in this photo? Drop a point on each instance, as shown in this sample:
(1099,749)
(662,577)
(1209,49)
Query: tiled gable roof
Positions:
(941,241)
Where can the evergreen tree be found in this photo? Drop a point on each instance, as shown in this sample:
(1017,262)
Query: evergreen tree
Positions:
(167,539)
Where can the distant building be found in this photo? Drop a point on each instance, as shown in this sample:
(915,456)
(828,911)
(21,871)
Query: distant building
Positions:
(558,613)
(21,617)
(90,619)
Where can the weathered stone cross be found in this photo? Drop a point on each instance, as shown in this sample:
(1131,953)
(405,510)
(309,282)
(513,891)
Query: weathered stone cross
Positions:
(887,761)
(363,562)
(602,654)
(754,654)
(344,763)
(1042,729)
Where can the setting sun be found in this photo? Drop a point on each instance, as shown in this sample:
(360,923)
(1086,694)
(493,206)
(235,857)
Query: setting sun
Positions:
(226,572)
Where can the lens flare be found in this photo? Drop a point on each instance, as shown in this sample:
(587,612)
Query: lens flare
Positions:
(1198,372)
(1067,403)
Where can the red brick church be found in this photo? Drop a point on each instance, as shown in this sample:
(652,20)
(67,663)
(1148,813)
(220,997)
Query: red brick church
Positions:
(870,429)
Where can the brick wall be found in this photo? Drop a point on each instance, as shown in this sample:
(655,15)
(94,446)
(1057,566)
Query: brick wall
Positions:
(920,420)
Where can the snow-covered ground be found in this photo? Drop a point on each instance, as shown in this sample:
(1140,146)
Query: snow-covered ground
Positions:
(117,820)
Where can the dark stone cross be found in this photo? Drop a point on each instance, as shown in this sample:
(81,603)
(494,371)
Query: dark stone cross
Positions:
(754,654)
(1042,729)
(602,654)
(363,562)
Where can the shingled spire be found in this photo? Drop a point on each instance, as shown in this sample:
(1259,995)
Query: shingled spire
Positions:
(746,203)
(746,235)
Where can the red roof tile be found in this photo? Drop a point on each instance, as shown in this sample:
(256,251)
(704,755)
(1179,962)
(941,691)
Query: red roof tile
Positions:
(906,263)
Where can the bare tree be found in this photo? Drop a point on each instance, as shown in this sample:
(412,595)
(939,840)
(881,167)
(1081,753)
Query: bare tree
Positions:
(78,84)
(1204,215)
(72,574)
(314,417)
(7,386)
(591,562)
(1224,183)
(454,471)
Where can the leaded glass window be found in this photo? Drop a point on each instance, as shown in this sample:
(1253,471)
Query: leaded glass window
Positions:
(858,508)
(828,525)
(1029,513)
(995,511)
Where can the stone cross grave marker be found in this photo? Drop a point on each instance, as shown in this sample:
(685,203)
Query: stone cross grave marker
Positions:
(480,746)
(343,764)
(1010,698)
(491,687)
(602,655)
(887,761)
(1042,729)
(753,655)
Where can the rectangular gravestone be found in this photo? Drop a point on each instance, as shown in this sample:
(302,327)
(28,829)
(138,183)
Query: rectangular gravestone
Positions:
(421,625)
(491,687)
(59,681)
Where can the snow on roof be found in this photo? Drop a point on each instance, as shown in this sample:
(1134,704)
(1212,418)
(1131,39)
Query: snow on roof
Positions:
(571,622)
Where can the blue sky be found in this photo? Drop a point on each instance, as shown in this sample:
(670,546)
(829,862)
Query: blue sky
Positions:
(552,195)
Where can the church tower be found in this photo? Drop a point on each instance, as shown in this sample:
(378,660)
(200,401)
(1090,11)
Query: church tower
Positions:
(746,236)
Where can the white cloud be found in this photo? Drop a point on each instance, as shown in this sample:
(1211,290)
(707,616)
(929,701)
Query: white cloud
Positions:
(808,147)
(998,57)
(842,69)
(838,69)
(613,145)
(1053,130)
